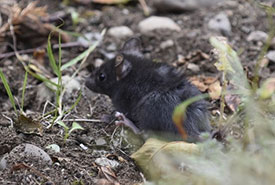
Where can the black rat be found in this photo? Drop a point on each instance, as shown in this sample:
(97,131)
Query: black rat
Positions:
(147,92)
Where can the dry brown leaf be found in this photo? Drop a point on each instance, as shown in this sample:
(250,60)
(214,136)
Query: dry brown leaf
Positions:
(105,182)
(27,125)
(210,80)
(198,83)
(107,173)
(215,90)
(39,55)
(232,101)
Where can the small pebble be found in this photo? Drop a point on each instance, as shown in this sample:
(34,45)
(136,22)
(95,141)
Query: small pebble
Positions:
(257,36)
(120,32)
(166,44)
(157,23)
(193,67)
(271,55)
(221,24)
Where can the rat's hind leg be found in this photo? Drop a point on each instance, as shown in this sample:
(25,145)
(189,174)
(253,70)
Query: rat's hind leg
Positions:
(122,120)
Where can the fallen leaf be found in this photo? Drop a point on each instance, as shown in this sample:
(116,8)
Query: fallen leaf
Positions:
(232,101)
(27,125)
(39,55)
(198,83)
(215,90)
(105,182)
(108,174)
(149,156)
(210,80)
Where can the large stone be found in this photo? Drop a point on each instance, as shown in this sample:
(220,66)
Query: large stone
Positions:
(70,84)
(25,151)
(157,23)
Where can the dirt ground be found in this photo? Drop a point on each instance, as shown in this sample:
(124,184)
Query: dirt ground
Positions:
(75,164)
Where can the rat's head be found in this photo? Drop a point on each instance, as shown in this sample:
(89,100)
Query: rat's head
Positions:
(106,78)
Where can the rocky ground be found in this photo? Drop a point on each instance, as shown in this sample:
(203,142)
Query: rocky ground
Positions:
(178,35)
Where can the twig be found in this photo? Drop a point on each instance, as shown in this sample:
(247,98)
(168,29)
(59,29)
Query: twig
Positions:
(84,120)
(55,17)
(20,166)
(8,119)
(55,46)
(144,7)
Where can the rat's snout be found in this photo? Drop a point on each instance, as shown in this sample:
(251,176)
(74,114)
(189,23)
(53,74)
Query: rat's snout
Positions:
(90,82)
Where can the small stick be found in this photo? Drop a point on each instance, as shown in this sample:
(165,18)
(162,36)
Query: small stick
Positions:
(55,46)
(84,120)
(144,7)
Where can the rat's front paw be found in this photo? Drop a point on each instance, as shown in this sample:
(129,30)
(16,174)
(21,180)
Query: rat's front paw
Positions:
(122,120)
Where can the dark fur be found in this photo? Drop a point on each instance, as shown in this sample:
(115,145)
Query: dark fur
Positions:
(149,92)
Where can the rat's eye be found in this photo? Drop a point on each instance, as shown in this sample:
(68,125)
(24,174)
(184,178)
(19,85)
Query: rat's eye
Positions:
(101,77)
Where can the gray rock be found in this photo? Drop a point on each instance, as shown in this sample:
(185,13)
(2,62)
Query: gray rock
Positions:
(271,55)
(25,150)
(103,161)
(54,147)
(100,141)
(257,36)
(70,85)
(193,67)
(182,5)
(111,47)
(89,38)
(157,23)
(221,24)
(166,44)
(120,32)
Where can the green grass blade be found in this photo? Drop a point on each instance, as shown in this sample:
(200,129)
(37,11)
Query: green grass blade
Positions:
(51,56)
(82,55)
(23,90)
(75,103)
(79,57)
(7,87)
(41,77)
(59,74)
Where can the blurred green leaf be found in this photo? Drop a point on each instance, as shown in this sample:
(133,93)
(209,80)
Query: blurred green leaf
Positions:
(179,113)
(267,89)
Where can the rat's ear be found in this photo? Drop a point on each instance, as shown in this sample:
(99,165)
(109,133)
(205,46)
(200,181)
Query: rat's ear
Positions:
(123,67)
(132,47)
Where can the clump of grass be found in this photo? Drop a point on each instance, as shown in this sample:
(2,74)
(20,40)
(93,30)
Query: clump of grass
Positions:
(58,88)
